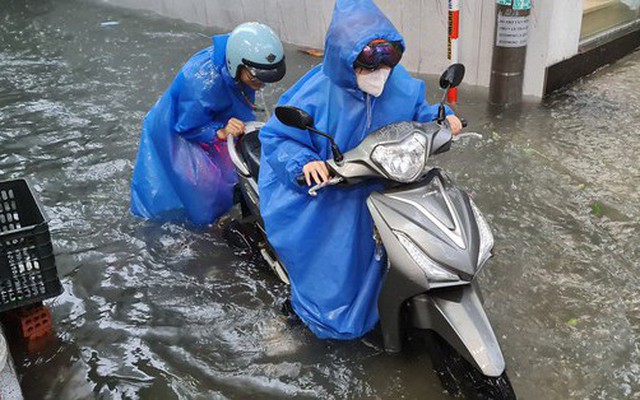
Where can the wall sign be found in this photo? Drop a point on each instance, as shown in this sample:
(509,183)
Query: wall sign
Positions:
(513,30)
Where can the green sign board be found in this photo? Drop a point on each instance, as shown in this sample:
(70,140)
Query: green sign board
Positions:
(517,4)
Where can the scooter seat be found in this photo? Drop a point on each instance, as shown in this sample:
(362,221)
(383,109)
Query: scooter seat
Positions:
(250,151)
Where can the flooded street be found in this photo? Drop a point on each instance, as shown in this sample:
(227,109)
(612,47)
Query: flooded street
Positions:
(164,312)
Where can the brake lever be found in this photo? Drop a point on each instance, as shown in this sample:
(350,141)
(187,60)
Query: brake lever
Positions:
(331,182)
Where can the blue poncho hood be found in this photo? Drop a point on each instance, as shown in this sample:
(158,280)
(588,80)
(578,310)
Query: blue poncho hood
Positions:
(326,242)
(355,23)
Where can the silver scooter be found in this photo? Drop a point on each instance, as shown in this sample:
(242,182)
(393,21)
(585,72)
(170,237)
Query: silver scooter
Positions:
(435,238)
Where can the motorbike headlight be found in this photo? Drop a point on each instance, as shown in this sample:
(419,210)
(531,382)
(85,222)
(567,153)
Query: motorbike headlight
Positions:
(402,161)
(486,237)
(432,270)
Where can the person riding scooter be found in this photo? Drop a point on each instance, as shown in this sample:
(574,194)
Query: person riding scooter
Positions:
(183,171)
(326,242)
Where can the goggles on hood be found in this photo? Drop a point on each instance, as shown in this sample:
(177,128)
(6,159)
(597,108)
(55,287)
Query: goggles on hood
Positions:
(379,52)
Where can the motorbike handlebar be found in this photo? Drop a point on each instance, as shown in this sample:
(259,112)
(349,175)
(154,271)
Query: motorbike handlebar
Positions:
(313,191)
(302,181)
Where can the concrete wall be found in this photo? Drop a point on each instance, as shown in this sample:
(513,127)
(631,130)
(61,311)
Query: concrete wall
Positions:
(555,29)
(554,35)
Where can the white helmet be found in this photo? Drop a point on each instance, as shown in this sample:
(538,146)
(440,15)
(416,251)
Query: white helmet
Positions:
(259,49)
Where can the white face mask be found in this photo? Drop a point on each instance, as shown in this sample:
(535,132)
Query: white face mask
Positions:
(373,83)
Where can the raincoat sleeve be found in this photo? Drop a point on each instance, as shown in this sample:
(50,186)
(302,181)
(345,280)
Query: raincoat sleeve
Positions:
(197,107)
(426,112)
(287,152)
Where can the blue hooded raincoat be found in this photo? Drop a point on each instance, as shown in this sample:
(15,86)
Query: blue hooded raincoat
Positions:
(183,173)
(326,242)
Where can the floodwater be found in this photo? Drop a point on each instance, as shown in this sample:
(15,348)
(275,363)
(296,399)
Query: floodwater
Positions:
(163,312)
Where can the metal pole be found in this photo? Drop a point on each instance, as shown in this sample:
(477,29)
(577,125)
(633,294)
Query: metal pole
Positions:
(452,42)
(509,51)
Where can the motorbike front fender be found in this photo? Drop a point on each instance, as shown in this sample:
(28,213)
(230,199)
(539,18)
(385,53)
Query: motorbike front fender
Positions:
(457,315)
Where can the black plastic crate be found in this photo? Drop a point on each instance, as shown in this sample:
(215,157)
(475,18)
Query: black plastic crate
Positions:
(27,266)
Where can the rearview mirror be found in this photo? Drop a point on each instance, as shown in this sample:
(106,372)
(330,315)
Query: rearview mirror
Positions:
(294,117)
(452,77)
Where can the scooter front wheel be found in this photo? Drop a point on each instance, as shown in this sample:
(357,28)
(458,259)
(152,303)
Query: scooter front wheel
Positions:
(460,378)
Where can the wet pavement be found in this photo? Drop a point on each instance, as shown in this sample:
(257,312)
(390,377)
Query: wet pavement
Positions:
(159,312)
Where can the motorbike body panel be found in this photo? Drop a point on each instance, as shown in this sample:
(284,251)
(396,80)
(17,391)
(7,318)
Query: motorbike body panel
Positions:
(438,219)
(249,190)
(457,315)
(246,157)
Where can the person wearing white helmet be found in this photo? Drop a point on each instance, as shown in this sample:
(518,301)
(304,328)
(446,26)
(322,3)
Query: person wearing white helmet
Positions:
(183,172)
